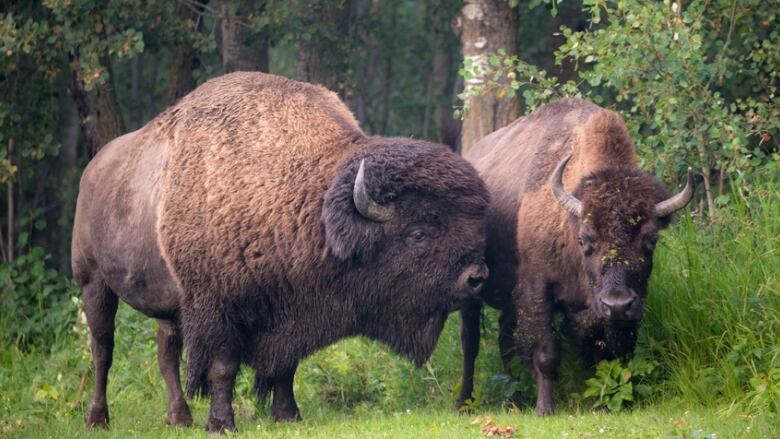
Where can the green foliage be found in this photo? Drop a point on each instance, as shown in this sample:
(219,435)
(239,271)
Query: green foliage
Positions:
(713,314)
(93,30)
(695,84)
(615,385)
(37,304)
(29,53)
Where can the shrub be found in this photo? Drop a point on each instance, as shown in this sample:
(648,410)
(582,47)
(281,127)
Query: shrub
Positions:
(36,303)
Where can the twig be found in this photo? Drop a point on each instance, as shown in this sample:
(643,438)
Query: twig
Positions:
(10,251)
(722,56)
(205,11)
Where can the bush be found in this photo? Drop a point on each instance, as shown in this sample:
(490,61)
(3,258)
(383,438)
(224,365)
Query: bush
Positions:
(713,314)
(37,304)
(615,385)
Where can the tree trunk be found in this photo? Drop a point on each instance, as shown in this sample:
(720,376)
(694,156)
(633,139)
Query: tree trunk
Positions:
(485,26)
(242,49)
(101,120)
(441,40)
(708,191)
(137,75)
(184,56)
(323,59)
(365,52)
(65,171)
(387,84)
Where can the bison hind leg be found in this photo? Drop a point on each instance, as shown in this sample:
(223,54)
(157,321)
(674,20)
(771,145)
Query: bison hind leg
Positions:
(100,305)
(168,357)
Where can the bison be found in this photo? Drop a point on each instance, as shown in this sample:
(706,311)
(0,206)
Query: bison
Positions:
(585,252)
(257,223)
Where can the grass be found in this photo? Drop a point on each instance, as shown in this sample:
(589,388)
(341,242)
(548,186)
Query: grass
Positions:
(712,328)
(46,395)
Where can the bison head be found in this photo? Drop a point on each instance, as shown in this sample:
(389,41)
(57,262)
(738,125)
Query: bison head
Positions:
(406,220)
(618,213)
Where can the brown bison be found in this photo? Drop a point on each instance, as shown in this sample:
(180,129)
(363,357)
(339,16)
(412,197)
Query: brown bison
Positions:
(255,219)
(585,252)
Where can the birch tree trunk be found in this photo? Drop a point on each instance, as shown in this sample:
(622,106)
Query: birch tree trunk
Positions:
(485,26)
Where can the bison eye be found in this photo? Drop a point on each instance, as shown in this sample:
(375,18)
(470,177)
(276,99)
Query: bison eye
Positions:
(586,244)
(418,236)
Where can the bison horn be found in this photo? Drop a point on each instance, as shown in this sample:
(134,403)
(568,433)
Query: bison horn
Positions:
(567,200)
(676,202)
(365,204)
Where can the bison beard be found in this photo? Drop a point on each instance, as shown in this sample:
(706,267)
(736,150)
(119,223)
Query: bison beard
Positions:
(240,216)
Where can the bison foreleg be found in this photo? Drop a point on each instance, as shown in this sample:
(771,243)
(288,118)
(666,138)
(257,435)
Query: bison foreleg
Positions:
(535,338)
(469,340)
(100,304)
(168,356)
(222,377)
(283,407)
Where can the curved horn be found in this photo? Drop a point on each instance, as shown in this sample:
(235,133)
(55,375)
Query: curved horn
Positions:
(567,200)
(678,201)
(365,204)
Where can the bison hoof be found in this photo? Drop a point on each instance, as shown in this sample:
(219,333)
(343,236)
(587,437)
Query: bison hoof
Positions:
(463,405)
(97,417)
(219,426)
(286,415)
(180,418)
(545,410)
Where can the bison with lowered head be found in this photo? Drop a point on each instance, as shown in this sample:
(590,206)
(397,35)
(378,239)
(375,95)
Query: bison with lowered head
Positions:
(572,226)
(255,219)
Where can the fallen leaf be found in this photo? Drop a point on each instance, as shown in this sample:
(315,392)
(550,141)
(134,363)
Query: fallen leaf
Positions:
(496,430)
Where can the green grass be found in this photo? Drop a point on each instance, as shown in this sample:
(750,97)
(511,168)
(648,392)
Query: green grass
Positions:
(712,328)
(137,402)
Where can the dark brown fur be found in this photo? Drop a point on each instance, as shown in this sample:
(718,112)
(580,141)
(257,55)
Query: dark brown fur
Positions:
(242,211)
(544,260)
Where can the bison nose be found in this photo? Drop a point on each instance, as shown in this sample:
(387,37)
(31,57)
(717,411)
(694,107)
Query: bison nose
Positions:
(475,282)
(473,278)
(617,305)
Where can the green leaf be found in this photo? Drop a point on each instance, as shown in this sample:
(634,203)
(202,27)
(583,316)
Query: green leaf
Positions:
(22,239)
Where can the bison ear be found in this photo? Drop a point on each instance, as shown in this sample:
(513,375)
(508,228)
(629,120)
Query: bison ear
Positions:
(348,234)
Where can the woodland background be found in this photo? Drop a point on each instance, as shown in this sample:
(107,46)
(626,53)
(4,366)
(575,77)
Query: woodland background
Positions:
(696,81)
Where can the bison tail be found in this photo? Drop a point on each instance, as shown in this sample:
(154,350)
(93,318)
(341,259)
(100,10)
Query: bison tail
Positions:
(197,373)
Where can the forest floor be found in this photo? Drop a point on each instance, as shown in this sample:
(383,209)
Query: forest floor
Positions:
(353,389)
(669,420)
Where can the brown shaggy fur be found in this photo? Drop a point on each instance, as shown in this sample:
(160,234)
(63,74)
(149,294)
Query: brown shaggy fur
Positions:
(243,205)
(544,260)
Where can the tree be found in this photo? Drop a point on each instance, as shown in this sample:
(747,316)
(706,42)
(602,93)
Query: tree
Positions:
(91,31)
(242,47)
(188,20)
(441,79)
(323,49)
(485,27)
